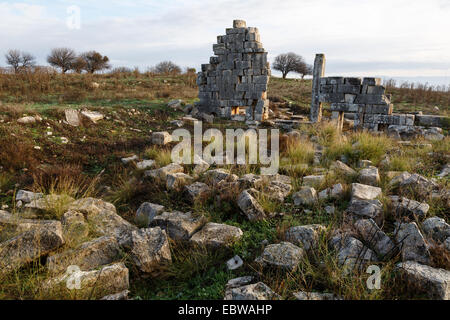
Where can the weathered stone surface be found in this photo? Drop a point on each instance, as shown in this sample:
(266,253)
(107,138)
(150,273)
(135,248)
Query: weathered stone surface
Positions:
(178,225)
(216,175)
(436,228)
(251,181)
(306,196)
(257,291)
(375,237)
(214,235)
(26,120)
(147,212)
(336,191)
(175,104)
(435,282)
(284,255)
(403,206)
(417,185)
(312,181)
(369,176)
(412,244)
(75,225)
(399,178)
(162,173)
(196,190)
(365,192)
(250,206)
(72,117)
(103,219)
(88,256)
(447,244)
(200,165)
(366,209)
(306,237)
(161,138)
(176,181)
(351,252)
(94,284)
(303,295)
(342,167)
(30,245)
(150,249)
(276,190)
(27,196)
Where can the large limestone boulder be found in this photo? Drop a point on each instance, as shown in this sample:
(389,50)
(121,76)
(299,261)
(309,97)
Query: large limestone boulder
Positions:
(39,240)
(412,243)
(343,168)
(375,237)
(306,237)
(103,218)
(284,255)
(351,253)
(93,284)
(250,206)
(214,235)
(365,192)
(257,291)
(90,255)
(277,190)
(150,249)
(313,180)
(418,186)
(217,175)
(372,209)
(178,225)
(336,192)
(435,282)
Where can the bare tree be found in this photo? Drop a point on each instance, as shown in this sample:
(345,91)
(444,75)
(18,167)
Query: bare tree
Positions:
(95,61)
(166,67)
(304,69)
(78,65)
(62,58)
(19,60)
(290,62)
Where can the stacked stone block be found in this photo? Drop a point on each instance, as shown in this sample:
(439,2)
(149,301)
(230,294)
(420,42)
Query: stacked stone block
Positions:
(237,75)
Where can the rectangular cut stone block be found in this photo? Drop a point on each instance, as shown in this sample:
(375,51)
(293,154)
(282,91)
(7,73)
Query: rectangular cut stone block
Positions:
(332,97)
(379,109)
(376,90)
(432,121)
(346,107)
(328,88)
(353,81)
(372,81)
(348,88)
(335,80)
(372,99)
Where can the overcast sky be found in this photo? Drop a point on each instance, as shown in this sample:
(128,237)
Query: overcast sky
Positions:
(391,38)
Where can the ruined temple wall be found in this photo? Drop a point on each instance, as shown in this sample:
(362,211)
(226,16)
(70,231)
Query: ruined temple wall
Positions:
(237,77)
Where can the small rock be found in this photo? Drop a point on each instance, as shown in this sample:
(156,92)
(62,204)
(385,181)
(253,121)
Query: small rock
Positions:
(283,255)
(214,235)
(72,117)
(216,175)
(375,237)
(235,263)
(312,181)
(129,159)
(306,237)
(403,206)
(303,295)
(369,176)
(200,165)
(412,244)
(365,192)
(342,167)
(93,115)
(306,196)
(161,138)
(150,249)
(27,120)
(27,196)
(436,228)
(178,225)
(330,209)
(147,212)
(145,164)
(175,104)
(250,206)
(162,173)
(351,252)
(257,291)
(337,191)
(196,190)
(117,296)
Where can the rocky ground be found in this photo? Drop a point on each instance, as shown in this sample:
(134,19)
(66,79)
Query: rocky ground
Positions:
(94,187)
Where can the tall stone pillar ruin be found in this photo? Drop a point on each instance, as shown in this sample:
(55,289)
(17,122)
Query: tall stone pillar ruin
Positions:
(235,80)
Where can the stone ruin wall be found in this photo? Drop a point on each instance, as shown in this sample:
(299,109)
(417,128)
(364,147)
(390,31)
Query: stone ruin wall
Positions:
(365,98)
(235,81)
